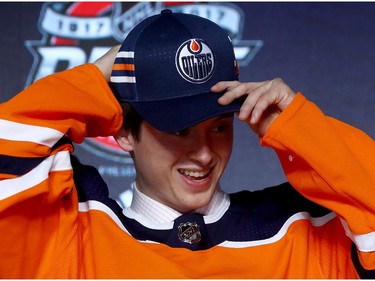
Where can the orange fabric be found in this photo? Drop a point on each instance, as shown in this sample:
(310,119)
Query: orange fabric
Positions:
(44,235)
(57,102)
(339,162)
(119,256)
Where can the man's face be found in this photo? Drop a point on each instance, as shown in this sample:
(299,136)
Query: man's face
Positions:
(182,170)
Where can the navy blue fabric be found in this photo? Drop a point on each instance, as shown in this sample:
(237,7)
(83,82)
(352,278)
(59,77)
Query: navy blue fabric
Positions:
(159,84)
(251,216)
(91,186)
(18,166)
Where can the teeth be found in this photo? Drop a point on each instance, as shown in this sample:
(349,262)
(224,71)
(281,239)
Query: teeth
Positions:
(194,174)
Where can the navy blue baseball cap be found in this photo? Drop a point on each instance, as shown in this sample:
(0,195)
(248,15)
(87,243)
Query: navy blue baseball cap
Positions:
(166,67)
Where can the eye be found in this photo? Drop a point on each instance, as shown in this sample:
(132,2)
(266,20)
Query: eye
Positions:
(182,133)
(219,128)
(223,125)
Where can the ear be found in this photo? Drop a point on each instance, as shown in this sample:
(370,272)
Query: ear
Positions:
(125,140)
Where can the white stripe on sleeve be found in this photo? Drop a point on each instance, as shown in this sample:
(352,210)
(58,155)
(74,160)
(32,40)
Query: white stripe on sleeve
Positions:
(14,131)
(58,162)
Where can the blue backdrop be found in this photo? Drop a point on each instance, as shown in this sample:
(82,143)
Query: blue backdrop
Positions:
(325,50)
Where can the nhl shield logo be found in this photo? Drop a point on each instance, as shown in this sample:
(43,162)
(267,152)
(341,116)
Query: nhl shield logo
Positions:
(195,61)
(189,232)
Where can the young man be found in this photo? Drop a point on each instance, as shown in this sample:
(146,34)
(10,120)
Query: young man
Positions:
(176,78)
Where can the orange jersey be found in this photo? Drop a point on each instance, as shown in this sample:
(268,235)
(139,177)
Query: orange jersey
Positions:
(56,223)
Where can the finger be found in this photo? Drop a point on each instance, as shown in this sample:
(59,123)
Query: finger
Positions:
(252,99)
(233,92)
(223,86)
(236,90)
(263,103)
(249,104)
(277,96)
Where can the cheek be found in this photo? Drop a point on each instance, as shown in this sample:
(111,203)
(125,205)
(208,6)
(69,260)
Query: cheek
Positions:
(153,158)
(225,155)
(224,146)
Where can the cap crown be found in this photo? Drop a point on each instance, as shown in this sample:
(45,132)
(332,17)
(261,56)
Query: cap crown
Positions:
(172,55)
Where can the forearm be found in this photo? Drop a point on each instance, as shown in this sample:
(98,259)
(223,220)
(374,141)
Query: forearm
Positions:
(76,102)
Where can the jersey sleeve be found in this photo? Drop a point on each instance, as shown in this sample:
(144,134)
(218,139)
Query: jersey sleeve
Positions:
(38,202)
(331,163)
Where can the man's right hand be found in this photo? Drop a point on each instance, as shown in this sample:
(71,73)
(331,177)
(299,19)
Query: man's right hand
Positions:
(105,62)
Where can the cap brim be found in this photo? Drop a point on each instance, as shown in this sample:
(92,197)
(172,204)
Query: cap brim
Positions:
(174,115)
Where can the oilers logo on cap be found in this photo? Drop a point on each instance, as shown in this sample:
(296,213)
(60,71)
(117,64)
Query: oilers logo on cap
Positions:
(195,61)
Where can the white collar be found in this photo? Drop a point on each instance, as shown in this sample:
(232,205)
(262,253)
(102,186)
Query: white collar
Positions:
(143,208)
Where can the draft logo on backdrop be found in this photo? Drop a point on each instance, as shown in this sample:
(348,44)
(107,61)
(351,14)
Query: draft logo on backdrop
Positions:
(75,33)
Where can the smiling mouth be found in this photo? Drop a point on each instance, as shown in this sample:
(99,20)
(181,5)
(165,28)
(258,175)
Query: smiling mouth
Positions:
(195,175)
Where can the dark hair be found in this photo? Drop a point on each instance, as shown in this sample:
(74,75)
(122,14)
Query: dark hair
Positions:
(131,120)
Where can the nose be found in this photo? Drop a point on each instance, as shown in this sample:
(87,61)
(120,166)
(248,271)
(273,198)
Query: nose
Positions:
(200,150)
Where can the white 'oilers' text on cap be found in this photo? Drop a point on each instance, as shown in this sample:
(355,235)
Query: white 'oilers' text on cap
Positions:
(195,61)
